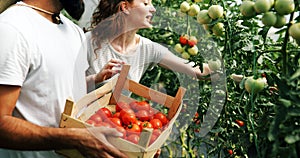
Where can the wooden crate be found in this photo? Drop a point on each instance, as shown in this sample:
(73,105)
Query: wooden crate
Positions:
(75,114)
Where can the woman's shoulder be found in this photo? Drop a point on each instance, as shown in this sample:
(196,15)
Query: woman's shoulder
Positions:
(145,40)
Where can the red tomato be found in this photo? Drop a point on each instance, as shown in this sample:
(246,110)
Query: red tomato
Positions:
(114,121)
(133,129)
(230,152)
(104,124)
(138,122)
(153,138)
(157,132)
(116,115)
(128,119)
(162,117)
(142,115)
(104,113)
(151,113)
(183,40)
(121,130)
(146,124)
(134,138)
(142,105)
(240,123)
(126,111)
(133,104)
(91,122)
(196,115)
(156,123)
(121,105)
(96,117)
(191,43)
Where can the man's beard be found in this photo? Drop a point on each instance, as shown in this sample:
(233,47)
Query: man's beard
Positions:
(75,8)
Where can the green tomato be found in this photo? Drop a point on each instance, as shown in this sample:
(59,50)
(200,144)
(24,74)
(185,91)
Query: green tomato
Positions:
(178,48)
(218,29)
(294,31)
(193,50)
(284,7)
(255,85)
(203,17)
(194,10)
(269,19)
(280,21)
(185,7)
(214,65)
(262,6)
(215,11)
(185,55)
(247,8)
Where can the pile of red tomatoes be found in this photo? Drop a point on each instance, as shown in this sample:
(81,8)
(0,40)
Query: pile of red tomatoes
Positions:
(130,119)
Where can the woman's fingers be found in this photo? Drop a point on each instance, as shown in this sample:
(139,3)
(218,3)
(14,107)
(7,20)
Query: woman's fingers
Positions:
(114,63)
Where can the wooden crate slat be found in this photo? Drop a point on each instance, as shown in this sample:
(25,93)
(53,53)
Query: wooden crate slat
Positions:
(119,85)
(94,95)
(69,107)
(149,93)
(126,99)
(71,122)
(95,106)
(146,136)
(177,101)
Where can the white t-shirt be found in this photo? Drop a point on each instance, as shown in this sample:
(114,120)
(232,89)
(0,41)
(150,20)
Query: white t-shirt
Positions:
(147,54)
(47,60)
(89,8)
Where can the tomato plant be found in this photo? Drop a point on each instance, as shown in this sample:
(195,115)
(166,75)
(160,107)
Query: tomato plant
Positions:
(248,43)
(248,47)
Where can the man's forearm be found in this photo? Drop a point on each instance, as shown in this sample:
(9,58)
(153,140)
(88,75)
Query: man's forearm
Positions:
(22,135)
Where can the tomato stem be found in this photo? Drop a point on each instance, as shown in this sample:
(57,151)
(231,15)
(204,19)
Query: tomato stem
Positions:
(284,47)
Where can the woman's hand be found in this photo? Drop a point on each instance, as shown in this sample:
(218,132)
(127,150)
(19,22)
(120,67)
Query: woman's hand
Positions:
(110,69)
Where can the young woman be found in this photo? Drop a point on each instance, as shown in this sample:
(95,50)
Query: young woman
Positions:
(113,41)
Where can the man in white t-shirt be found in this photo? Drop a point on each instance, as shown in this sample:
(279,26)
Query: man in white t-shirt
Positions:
(42,62)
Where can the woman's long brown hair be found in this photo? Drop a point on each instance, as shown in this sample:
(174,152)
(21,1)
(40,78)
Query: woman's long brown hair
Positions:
(108,21)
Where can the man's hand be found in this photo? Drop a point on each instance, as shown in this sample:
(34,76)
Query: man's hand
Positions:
(93,143)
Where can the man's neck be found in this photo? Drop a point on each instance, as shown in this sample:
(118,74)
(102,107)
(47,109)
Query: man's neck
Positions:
(46,8)
(53,6)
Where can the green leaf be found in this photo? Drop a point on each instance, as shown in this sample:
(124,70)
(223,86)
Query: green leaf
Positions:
(285,102)
(242,83)
(295,75)
(291,139)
